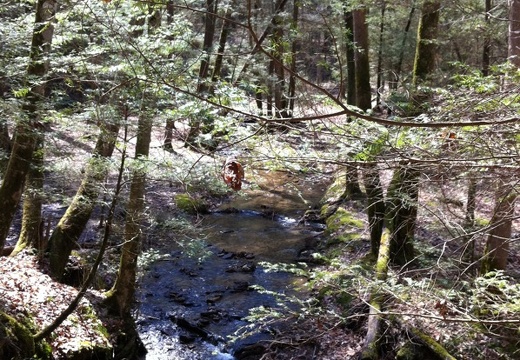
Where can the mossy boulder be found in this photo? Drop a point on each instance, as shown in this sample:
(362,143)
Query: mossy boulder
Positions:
(191,205)
(17,341)
(336,190)
(343,226)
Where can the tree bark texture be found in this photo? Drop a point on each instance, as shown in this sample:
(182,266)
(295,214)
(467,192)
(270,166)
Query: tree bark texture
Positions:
(380,78)
(486,49)
(371,346)
(352,188)
(294,50)
(209,35)
(351,63)
(279,86)
(363,92)
(71,225)
(471,200)
(426,50)
(497,246)
(219,58)
(168,134)
(399,66)
(401,213)
(375,206)
(25,132)
(32,232)
(514,33)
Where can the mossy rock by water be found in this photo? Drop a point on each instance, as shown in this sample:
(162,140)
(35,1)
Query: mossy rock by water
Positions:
(342,226)
(336,190)
(190,204)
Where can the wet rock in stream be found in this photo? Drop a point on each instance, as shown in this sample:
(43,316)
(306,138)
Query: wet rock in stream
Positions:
(191,330)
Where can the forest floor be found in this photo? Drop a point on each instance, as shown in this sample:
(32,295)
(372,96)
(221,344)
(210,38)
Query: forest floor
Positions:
(442,296)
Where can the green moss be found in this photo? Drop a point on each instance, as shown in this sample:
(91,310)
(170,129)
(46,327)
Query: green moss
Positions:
(343,227)
(190,205)
(342,219)
(384,256)
(407,352)
(18,341)
(433,345)
(481,222)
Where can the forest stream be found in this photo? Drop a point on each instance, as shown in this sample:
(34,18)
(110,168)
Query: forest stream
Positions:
(188,308)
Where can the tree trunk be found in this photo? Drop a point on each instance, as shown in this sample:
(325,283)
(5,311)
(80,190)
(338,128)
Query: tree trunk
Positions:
(279,85)
(401,213)
(24,138)
(14,178)
(497,245)
(170,11)
(513,52)
(73,222)
(426,50)
(352,188)
(471,200)
(380,54)
(217,68)
(294,49)
(350,55)
(121,296)
(209,35)
(363,92)
(375,206)
(5,140)
(399,65)
(486,50)
(371,346)
(168,134)
(32,232)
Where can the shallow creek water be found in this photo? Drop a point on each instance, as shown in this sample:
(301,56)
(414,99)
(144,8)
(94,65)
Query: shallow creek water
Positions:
(188,308)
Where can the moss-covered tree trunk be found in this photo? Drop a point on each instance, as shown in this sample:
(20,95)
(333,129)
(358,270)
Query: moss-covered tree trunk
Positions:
(24,138)
(401,213)
(375,205)
(31,234)
(73,222)
(426,50)
(121,297)
(371,347)
(497,245)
